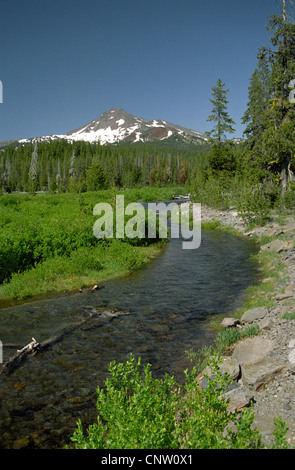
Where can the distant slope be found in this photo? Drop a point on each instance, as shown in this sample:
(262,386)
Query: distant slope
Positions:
(116,125)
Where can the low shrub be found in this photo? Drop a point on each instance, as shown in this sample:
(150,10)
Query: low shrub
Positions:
(137,411)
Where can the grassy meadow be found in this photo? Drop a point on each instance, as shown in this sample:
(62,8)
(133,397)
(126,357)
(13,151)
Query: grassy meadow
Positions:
(47,243)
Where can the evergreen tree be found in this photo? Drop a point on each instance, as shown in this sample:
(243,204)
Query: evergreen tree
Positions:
(219,114)
(33,171)
(258,96)
(95,176)
(220,157)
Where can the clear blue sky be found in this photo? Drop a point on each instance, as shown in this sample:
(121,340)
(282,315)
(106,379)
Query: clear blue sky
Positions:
(65,62)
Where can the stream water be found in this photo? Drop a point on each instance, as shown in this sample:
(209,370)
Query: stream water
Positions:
(167,306)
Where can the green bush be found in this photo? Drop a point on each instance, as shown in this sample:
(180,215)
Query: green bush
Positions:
(288,198)
(221,158)
(254,203)
(137,411)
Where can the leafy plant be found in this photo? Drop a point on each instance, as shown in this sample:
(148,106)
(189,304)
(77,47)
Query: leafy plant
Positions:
(138,411)
(253,204)
(135,410)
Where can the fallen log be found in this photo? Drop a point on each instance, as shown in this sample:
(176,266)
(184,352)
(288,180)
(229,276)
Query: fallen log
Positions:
(32,348)
(94,320)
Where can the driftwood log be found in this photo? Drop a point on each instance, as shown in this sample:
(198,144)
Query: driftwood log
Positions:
(32,348)
(94,320)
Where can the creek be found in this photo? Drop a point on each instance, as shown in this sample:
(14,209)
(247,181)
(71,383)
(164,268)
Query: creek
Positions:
(168,306)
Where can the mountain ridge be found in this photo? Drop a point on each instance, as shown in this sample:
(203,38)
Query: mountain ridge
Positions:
(116,126)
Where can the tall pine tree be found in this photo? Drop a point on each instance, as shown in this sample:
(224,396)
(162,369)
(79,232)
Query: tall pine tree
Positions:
(219,114)
(258,102)
(221,157)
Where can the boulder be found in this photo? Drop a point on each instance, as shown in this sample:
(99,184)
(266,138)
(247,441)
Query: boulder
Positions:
(252,350)
(260,373)
(239,398)
(231,367)
(254,314)
(273,231)
(276,246)
(230,322)
(265,323)
(228,366)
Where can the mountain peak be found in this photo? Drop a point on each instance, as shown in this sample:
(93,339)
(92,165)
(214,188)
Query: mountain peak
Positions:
(117,125)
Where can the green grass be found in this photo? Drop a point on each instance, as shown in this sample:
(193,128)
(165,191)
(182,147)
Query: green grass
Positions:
(83,268)
(289,316)
(226,338)
(47,242)
(211,225)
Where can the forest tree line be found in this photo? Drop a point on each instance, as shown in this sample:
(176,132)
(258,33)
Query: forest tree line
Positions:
(62,166)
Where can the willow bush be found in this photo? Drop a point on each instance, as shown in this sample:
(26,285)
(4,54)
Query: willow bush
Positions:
(137,411)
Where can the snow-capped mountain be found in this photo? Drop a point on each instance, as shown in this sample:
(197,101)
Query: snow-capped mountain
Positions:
(116,125)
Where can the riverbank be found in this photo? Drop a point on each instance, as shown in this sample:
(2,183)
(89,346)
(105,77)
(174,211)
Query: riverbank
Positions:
(52,277)
(263,367)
